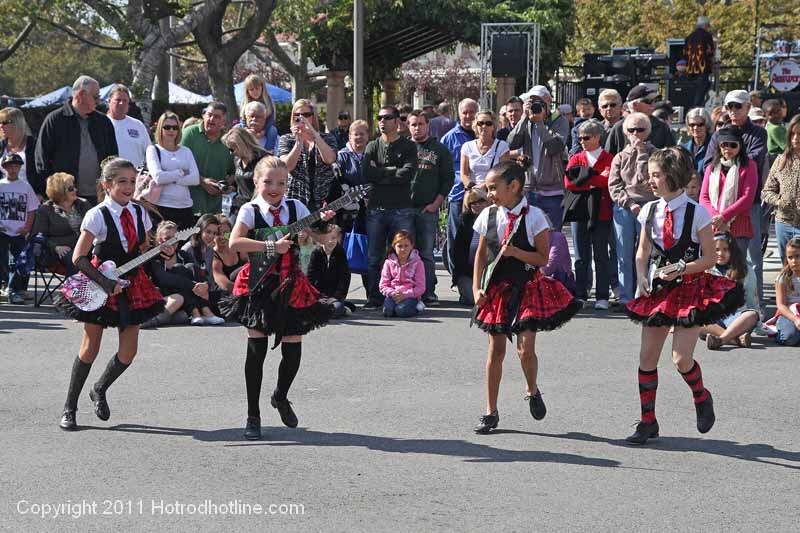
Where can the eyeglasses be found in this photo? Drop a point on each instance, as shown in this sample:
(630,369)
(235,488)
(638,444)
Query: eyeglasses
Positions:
(733,105)
(5,123)
(386,117)
(584,137)
(636,130)
(729,144)
(697,125)
(486,123)
(307,114)
(610,104)
(170,127)
(403,118)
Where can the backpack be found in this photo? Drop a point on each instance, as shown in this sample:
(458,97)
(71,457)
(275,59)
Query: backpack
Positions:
(146,187)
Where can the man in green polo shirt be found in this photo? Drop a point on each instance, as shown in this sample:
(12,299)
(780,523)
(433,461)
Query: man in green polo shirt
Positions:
(214,160)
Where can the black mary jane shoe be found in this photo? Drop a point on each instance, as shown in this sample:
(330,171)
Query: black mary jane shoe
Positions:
(101,408)
(705,414)
(488,423)
(284,408)
(68,422)
(643,432)
(252,430)
(537,407)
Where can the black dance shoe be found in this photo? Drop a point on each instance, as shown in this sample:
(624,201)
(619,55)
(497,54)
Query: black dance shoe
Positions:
(488,423)
(705,414)
(252,430)
(284,407)
(101,408)
(68,422)
(538,409)
(643,432)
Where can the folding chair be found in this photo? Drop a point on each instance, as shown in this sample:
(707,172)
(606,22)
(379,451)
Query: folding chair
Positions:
(51,275)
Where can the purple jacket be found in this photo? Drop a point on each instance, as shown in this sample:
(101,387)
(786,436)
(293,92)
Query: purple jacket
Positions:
(408,279)
(559,260)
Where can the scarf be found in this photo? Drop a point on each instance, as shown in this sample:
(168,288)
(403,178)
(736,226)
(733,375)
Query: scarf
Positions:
(730,190)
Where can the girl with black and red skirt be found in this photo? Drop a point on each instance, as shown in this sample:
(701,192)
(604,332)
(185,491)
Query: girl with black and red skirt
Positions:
(115,230)
(675,229)
(271,295)
(519,300)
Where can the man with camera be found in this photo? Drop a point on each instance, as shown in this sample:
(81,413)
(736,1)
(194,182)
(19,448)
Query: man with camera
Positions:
(535,134)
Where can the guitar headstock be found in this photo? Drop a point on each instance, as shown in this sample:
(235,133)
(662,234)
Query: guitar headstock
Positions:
(358,192)
(185,234)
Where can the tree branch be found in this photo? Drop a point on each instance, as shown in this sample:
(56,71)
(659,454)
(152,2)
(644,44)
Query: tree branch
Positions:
(238,45)
(194,41)
(190,21)
(188,59)
(115,18)
(74,34)
(280,54)
(5,53)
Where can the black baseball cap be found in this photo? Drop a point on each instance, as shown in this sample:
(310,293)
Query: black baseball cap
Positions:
(641,91)
(12,159)
(344,115)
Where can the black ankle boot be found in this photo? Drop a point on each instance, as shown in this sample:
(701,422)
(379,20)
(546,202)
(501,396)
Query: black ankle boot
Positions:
(537,407)
(643,432)
(284,408)
(101,408)
(488,423)
(705,414)
(68,422)
(252,430)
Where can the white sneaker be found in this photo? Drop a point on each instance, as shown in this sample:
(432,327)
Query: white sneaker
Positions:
(420,306)
(616,292)
(213,320)
(601,305)
(198,321)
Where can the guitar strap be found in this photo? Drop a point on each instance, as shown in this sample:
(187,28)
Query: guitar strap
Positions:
(492,240)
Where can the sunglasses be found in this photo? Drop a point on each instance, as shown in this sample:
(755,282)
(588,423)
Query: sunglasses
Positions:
(697,125)
(386,117)
(584,137)
(5,123)
(307,114)
(486,123)
(71,188)
(729,144)
(636,130)
(606,106)
(733,105)
(170,127)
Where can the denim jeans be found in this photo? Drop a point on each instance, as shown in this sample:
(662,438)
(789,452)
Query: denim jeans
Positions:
(784,233)
(787,332)
(626,233)
(13,246)
(465,295)
(405,309)
(382,224)
(551,205)
(425,226)
(754,250)
(453,221)
(339,310)
(589,244)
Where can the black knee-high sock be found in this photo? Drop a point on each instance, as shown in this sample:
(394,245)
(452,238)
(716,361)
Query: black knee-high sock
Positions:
(254,372)
(290,364)
(80,371)
(113,370)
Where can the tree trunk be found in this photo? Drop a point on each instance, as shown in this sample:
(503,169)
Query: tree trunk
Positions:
(145,67)
(161,87)
(220,75)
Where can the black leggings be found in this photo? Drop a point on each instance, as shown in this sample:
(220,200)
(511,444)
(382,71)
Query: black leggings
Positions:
(254,371)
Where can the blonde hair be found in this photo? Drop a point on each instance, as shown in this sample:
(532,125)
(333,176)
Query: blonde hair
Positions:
(358,124)
(254,80)
(267,163)
(165,225)
(15,115)
(165,116)
(244,139)
(475,194)
(57,186)
(301,103)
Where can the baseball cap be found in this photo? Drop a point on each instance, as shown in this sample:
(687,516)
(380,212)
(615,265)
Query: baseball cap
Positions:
(739,96)
(12,159)
(537,90)
(729,134)
(565,109)
(344,115)
(641,91)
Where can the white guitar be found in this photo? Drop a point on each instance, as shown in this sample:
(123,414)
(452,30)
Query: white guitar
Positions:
(87,295)
(654,277)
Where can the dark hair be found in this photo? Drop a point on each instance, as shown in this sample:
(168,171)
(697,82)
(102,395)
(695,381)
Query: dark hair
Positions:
(402,234)
(786,273)
(515,100)
(203,222)
(405,108)
(511,170)
(770,104)
(215,106)
(419,113)
(788,153)
(737,261)
(391,108)
(741,157)
(676,164)
(584,101)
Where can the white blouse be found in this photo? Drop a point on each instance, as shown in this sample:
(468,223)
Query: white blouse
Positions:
(479,165)
(175,172)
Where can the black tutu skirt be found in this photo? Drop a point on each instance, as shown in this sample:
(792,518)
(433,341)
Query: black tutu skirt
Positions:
(543,304)
(699,300)
(139,302)
(291,307)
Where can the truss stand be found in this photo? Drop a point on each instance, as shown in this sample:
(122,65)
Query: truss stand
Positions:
(488,32)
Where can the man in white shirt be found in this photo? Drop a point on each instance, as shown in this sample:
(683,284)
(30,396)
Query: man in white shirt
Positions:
(132,136)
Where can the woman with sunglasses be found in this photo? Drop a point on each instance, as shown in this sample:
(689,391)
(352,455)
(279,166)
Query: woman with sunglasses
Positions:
(59,220)
(174,170)
(698,125)
(729,187)
(309,155)
(480,155)
(15,138)
(782,188)
(247,152)
(629,189)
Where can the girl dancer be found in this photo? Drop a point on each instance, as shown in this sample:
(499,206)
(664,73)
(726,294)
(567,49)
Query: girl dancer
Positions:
(675,228)
(275,300)
(519,299)
(114,230)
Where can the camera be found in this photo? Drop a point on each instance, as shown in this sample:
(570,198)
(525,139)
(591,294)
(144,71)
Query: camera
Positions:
(536,107)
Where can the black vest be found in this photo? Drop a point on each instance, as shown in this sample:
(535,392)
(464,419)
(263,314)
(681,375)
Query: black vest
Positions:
(111,248)
(259,264)
(509,268)
(685,248)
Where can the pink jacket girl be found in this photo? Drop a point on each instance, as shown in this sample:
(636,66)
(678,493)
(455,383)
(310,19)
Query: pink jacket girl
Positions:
(402,277)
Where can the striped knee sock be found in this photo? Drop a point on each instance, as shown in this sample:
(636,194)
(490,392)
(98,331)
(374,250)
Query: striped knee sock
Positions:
(648,385)
(694,378)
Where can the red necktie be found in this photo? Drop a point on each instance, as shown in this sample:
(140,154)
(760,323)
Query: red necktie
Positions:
(128,229)
(512,218)
(276,215)
(667,232)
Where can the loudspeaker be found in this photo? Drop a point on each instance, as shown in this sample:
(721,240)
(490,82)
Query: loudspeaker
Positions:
(593,67)
(674,52)
(509,55)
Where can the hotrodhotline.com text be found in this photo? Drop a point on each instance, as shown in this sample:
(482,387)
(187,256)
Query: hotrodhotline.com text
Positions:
(153,507)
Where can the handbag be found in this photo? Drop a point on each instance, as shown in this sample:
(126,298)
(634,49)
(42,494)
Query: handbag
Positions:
(356,249)
(146,187)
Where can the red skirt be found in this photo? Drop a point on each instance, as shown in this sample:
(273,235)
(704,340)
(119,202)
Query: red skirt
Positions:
(699,300)
(545,304)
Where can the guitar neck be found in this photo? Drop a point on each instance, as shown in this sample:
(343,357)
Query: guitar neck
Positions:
(145,257)
(311,219)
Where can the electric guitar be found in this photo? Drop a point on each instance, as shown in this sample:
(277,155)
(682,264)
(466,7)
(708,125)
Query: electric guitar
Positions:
(88,295)
(654,275)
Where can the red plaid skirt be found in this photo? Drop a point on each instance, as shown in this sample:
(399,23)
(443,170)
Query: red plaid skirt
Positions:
(700,299)
(141,293)
(304,294)
(545,304)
